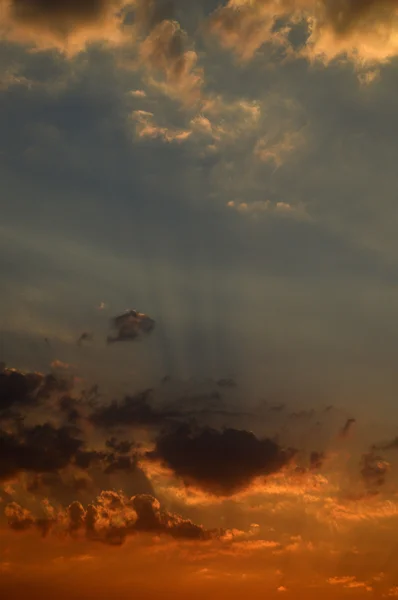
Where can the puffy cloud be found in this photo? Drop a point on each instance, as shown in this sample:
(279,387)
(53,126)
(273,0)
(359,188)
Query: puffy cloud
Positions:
(219,462)
(110,519)
(131,326)
(364,31)
(164,51)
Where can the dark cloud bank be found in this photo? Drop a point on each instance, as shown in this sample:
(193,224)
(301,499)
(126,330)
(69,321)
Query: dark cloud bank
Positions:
(47,433)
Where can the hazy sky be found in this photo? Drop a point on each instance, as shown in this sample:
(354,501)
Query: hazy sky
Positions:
(228,168)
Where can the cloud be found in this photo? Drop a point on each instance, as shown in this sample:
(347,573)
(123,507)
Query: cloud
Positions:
(146,127)
(122,447)
(374,470)
(85,337)
(163,52)
(276,150)
(132,410)
(67,25)
(392,445)
(59,365)
(349,582)
(17,388)
(110,519)
(363,31)
(131,326)
(219,462)
(18,518)
(347,428)
(317,459)
(27,390)
(263,207)
(40,449)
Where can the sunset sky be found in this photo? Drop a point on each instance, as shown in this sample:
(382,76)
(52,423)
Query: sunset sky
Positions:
(199,299)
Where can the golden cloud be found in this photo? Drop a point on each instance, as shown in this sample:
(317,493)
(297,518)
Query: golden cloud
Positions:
(364,30)
(66,25)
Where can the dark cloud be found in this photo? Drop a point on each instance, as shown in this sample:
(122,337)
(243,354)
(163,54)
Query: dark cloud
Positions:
(142,409)
(220,462)
(149,13)
(122,447)
(63,487)
(347,428)
(85,337)
(374,470)
(40,449)
(120,463)
(317,459)
(131,326)
(27,390)
(18,388)
(392,445)
(111,519)
(70,407)
(133,410)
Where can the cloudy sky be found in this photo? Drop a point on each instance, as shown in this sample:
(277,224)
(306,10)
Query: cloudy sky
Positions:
(199,301)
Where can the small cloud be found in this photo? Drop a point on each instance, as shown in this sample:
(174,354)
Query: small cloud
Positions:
(146,127)
(264,207)
(58,364)
(316,460)
(393,592)
(138,93)
(374,470)
(85,337)
(131,326)
(347,428)
(276,151)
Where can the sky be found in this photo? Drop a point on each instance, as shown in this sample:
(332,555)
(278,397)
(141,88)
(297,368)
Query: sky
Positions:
(198,310)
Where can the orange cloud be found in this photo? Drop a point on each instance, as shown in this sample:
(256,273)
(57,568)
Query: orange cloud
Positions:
(66,25)
(363,31)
